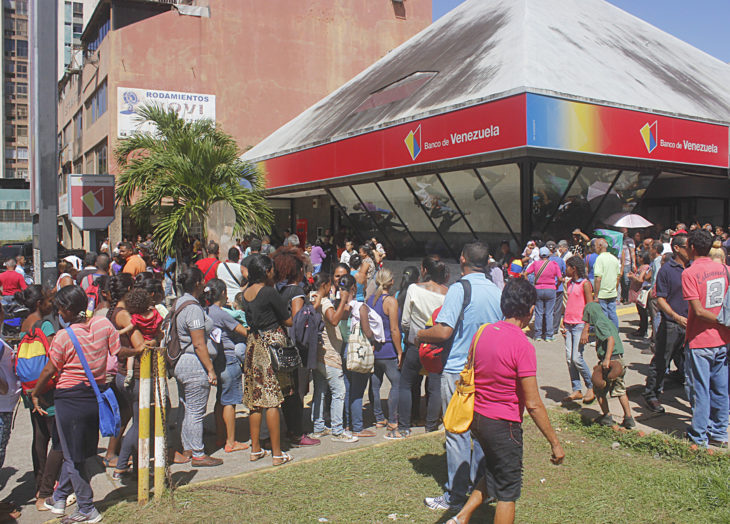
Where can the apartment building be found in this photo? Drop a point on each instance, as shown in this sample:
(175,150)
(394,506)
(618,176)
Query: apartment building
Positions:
(15,89)
(248,64)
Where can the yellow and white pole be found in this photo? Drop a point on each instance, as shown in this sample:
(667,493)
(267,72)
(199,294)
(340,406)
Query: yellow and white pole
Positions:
(160,404)
(143,465)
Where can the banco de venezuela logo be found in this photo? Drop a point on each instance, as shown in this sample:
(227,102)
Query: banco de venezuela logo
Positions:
(413,142)
(649,134)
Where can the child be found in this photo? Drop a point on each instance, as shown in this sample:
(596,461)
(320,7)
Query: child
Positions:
(240,316)
(609,349)
(145,318)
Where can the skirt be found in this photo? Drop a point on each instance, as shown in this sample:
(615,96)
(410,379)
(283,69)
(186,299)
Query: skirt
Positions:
(261,387)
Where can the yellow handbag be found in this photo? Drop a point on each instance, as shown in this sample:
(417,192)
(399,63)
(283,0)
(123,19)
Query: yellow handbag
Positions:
(460,413)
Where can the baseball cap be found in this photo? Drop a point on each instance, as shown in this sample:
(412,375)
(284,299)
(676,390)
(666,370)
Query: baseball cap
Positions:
(544,252)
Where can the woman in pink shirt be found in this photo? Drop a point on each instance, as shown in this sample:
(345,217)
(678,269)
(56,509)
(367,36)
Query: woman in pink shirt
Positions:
(547,274)
(505,384)
(578,292)
(77,411)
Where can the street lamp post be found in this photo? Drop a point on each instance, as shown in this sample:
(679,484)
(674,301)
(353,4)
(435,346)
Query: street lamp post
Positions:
(43,146)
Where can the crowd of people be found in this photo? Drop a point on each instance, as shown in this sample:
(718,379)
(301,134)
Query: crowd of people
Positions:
(238,321)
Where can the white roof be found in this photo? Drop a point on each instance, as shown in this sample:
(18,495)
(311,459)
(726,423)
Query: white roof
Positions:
(581,49)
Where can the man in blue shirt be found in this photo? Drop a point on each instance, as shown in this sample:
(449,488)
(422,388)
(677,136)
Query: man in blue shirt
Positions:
(462,462)
(559,303)
(671,333)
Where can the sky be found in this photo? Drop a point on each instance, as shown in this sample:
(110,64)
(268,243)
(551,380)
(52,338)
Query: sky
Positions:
(702,23)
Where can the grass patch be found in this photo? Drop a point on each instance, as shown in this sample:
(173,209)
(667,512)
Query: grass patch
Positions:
(384,483)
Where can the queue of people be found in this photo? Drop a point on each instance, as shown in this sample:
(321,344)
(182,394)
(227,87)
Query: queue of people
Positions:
(239,321)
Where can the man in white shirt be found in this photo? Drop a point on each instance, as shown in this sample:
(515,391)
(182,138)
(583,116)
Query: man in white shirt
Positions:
(20,269)
(348,252)
(230,273)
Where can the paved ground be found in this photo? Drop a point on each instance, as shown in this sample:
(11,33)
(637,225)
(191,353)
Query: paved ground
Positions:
(17,484)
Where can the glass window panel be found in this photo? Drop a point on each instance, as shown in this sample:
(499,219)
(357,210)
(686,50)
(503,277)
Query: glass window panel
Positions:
(504,184)
(579,205)
(357,220)
(480,212)
(410,211)
(549,183)
(395,238)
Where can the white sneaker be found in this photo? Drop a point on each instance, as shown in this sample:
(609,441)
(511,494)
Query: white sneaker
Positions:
(345,437)
(320,434)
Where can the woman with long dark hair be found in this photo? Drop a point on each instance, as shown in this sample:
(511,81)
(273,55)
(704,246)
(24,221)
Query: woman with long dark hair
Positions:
(422,299)
(267,315)
(227,366)
(46,463)
(76,405)
(289,265)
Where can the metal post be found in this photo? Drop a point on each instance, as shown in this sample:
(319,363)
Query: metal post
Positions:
(160,404)
(143,464)
(44,155)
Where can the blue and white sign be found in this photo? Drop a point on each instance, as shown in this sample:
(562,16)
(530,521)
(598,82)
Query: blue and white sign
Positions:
(190,106)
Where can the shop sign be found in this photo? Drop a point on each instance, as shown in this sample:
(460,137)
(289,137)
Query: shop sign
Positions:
(91,201)
(488,127)
(189,106)
(566,125)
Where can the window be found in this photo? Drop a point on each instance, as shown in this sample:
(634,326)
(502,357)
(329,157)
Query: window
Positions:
(78,167)
(89,163)
(21,70)
(101,158)
(9,88)
(21,48)
(21,89)
(97,103)
(22,131)
(101,34)
(78,125)
(21,27)
(9,47)
(22,111)
(22,153)
(21,7)
(78,9)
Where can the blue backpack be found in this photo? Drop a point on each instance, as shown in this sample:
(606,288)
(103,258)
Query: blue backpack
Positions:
(306,333)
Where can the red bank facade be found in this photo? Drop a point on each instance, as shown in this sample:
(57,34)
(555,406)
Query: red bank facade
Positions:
(434,145)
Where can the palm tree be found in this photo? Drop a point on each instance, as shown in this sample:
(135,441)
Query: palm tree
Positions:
(171,176)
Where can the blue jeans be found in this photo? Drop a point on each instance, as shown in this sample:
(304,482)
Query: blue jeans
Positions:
(706,383)
(358,383)
(577,366)
(389,368)
(464,464)
(328,377)
(544,308)
(608,305)
(240,350)
(193,390)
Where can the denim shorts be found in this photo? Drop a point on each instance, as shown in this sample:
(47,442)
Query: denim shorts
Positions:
(230,383)
(501,441)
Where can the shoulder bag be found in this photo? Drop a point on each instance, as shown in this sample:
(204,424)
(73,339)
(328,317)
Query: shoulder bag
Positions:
(460,412)
(285,357)
(360,354)
(110,421)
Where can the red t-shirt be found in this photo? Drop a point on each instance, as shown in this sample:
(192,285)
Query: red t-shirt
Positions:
(502,356)
(209,267)
(11,282)
(706,281)
(98,339)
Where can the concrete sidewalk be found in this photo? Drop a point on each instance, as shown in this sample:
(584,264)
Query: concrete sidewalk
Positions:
(18,485)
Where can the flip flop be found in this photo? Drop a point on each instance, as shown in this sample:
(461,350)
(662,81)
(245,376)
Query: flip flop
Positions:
(284,457)
(258,455)
(237,446)
(382,424)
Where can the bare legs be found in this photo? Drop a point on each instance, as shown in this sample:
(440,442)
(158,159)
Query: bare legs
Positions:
(504,511)
(272,421)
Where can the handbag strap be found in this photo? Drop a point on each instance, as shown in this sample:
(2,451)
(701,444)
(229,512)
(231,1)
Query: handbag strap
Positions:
(475,340)
(539,273)
(84,363)
(225,265)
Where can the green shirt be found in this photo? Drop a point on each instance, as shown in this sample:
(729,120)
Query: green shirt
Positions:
(608,268)
(604,329)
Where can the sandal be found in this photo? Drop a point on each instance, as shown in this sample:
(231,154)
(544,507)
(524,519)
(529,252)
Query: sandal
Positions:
(237,446)
(453,520)
(381,424)
(284,457)
(108,462)
(258,455)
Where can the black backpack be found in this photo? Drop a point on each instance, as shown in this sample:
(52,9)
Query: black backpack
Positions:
(171,340)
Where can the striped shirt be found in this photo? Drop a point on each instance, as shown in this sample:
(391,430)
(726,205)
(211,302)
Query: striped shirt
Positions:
(98,339)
